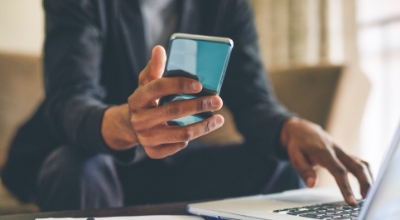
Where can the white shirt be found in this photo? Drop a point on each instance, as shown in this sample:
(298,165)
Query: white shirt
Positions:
(159,21)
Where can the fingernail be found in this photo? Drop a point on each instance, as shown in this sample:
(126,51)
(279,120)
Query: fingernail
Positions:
(215,102)
(363,194)
(196,86)
(310,182)
(352,200)
(219,121)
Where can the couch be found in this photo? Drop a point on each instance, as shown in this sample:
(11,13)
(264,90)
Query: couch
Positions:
(308,91)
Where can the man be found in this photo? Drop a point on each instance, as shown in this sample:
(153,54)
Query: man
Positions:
(113,145)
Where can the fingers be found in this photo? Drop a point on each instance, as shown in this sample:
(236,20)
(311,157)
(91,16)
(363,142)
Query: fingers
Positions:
(173,110)
(177,134)
(164,150)
(360,169)
(339,172)
(369,170)
(146,95)
(304,168)
(155,67)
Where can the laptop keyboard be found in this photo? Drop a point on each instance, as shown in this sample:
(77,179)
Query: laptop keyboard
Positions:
(328,211)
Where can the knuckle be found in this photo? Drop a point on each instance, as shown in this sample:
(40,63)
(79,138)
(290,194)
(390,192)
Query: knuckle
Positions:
(345,188)
(174,110)
(366,164)
(186,135)
(201,104)
(182,85)
(359,167)
(137,124)
(155,87)
(341,171)
(207,126)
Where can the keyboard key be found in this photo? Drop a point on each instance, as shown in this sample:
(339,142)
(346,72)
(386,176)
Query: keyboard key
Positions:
(308,216)
(339,210)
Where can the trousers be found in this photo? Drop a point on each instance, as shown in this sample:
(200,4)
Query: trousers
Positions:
(70,180)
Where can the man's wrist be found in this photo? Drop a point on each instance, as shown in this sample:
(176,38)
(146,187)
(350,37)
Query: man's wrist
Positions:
(116,129)
(285,131)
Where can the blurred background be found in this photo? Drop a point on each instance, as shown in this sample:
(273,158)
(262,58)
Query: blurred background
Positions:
(335,62)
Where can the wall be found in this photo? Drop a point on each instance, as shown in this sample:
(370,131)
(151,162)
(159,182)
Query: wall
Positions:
(21,26)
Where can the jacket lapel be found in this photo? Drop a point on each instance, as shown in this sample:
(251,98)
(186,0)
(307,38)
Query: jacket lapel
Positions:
(189,21)
(133,32)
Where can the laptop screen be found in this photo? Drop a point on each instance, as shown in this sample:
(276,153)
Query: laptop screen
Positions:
(385,194)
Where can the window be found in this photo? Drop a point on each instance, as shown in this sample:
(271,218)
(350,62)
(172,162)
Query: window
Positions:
(379,50)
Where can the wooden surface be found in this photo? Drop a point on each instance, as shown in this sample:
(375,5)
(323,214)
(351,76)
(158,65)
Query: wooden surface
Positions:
(162,209)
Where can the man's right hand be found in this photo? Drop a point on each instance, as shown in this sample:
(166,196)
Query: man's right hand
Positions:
(142,121)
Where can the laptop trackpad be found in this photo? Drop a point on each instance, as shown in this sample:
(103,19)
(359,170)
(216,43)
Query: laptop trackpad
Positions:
(309,196)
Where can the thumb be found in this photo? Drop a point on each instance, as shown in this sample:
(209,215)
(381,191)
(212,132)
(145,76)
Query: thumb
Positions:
(304,168)
(155,67)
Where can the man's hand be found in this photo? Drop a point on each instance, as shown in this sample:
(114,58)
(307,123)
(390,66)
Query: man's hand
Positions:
(143,121)
(308,145)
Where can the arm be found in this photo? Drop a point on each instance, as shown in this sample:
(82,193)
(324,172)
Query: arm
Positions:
(271,127)
(143,121)
(72,60)
(246,90)
(309,146)
(74,96)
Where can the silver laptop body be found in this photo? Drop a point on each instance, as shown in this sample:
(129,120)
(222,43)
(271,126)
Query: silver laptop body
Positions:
(382,202)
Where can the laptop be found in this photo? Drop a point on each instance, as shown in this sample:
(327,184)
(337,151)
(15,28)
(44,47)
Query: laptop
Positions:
(382,202)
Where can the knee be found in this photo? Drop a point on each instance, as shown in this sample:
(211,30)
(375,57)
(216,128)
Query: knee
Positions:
(58,178)
(61,166)
(98,173)
(100,186)
(75,178)
(70,166)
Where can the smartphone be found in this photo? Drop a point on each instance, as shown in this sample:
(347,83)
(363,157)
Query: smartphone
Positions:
(202,58)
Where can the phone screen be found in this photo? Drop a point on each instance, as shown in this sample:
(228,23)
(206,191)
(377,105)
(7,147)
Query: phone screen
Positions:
(199,59)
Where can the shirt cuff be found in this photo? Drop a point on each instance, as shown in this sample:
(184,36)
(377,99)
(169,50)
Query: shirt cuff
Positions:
(92,139)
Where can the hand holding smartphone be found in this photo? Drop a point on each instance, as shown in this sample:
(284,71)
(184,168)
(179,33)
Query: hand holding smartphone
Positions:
(202,58)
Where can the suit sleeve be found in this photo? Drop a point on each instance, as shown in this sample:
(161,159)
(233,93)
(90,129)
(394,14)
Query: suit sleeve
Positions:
(246,90)
(72,68)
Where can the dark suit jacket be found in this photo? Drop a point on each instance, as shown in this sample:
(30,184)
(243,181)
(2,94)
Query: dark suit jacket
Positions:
(93,53)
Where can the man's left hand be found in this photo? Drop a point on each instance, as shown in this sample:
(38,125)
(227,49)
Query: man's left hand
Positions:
(308,146)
